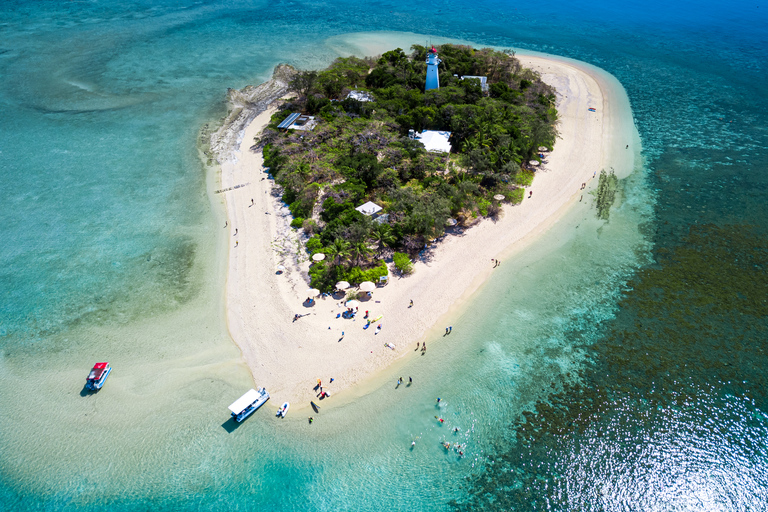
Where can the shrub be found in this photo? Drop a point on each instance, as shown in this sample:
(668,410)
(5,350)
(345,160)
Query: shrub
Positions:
(483,206)
(322,276)
(525,178)
(314,244)
(297,222)
(309,226)
(373,274)
(516,196)
(356,275)
(403,263)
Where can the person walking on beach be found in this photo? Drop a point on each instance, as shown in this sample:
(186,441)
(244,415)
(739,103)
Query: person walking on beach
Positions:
(410,380)
(446,332)
(530,194)
(236,242)
(235,232)
(251,202)
(311,419)
(225,223)
(411,304)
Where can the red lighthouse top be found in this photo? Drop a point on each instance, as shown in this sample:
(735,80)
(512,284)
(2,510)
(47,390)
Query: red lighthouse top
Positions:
(433,49)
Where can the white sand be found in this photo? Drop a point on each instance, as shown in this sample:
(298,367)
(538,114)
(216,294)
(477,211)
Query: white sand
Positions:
(288,357)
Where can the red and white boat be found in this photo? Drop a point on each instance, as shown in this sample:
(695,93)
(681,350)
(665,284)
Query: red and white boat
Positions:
(98,375)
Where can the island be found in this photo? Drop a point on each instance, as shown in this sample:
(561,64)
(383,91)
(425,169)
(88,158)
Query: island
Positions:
(367,170)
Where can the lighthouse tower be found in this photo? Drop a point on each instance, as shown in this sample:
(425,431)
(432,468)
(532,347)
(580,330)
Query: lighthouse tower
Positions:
(433,81)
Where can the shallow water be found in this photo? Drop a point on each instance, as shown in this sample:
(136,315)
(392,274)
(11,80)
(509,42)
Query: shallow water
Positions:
(111,249)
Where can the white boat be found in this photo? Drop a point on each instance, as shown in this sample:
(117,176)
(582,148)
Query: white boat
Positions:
(98,375)
(281,412)
(248,403)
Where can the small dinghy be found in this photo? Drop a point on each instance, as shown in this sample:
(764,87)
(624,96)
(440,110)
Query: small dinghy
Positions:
(281,412)
(97,376)
(315,407)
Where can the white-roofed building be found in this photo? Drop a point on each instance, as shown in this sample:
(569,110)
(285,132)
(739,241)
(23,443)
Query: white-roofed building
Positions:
(435,141)
(360,95)
(483,81)
(370,208)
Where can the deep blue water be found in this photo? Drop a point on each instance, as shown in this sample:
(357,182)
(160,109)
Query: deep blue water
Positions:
(104,217)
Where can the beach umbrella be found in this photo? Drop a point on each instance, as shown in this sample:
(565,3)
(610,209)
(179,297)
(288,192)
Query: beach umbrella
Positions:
(367,286)
(543,148)
(342,285)
(313,292)
(451,222)
(352,304)
(534,162)
(318,257)
(498,197)
(280,268)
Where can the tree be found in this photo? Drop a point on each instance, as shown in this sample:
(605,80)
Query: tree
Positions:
(382,235)
(303,82)
(339,251)
(359,252)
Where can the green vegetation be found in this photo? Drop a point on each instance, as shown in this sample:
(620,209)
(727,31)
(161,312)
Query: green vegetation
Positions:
(402,262)
(360,151)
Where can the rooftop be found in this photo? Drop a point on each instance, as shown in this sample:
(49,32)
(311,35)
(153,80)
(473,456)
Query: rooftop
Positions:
(483,81)
(435,141)
(360,95)
(297,121)
(244,401)
(369,208)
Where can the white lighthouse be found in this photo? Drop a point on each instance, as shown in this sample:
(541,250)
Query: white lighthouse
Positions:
(433,80)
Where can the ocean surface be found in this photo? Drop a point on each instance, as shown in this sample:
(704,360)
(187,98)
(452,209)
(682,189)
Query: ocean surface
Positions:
(618,365)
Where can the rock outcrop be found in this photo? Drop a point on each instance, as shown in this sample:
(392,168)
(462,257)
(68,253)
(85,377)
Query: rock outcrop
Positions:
(242,107)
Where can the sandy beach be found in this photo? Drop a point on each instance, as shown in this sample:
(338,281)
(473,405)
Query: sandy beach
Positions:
(287,356)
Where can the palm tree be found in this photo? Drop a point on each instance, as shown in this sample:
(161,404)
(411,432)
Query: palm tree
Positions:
(382,235)
(359,251)
(339,251)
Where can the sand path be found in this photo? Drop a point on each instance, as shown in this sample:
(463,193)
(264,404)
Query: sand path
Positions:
(288,357)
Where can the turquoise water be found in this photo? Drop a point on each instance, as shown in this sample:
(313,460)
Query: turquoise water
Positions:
(639,343)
